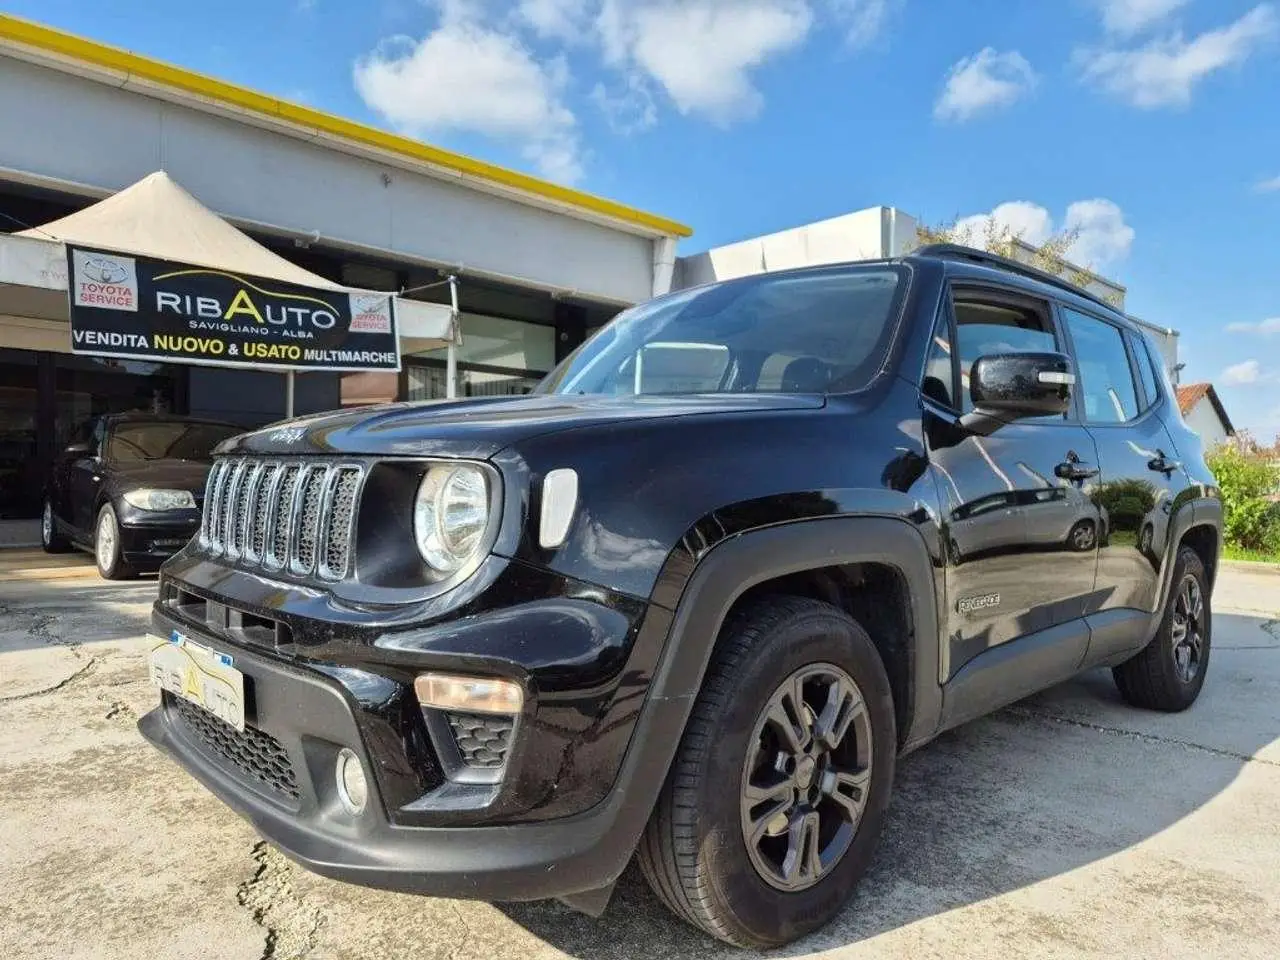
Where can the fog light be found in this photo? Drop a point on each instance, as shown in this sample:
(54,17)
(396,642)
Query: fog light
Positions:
(469,694)
(353,789)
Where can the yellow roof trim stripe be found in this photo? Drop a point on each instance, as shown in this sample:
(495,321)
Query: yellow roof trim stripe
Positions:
(50,40)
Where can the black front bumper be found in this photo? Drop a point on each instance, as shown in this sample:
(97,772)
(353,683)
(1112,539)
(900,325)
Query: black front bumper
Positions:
(309,718)
(151,544)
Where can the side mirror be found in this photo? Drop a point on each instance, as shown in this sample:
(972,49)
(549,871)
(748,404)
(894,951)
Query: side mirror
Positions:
(1012,386)
(76,450)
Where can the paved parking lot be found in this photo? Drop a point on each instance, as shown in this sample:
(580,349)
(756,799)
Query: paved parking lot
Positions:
(1066,826)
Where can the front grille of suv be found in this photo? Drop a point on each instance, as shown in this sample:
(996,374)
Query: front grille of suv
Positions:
(254,754)
(283,515)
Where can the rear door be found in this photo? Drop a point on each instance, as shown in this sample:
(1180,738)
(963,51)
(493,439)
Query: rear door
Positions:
(1017,563)
(1140,474)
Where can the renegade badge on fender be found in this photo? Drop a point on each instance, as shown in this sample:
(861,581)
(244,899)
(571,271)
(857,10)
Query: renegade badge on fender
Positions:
(691,600)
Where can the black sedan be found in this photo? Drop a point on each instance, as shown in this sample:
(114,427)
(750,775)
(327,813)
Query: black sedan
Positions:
(132,492)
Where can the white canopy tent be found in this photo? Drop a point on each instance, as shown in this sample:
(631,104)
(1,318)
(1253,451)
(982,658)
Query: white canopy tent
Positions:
(157,218)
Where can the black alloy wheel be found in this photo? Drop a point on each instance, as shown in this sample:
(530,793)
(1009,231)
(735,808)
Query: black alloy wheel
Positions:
(1169,672)
(806,778)
(778,788)
(1188,629)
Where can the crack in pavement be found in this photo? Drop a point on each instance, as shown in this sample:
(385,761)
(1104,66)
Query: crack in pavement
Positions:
(292,927)
(84,670)
(39,629)
(1138,735)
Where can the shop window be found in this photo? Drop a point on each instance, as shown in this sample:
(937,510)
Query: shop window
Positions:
(511,344)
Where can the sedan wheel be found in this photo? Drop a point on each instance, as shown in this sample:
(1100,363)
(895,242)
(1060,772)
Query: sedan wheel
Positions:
(50,537)
(106,547)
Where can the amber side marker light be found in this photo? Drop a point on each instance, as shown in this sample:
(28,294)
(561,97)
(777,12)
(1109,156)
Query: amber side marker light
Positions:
(469,694)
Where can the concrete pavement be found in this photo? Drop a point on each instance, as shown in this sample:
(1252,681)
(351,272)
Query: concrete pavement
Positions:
(1069,825)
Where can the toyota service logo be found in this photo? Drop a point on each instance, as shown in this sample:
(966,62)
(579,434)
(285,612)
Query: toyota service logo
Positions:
(104,271)
(104,281)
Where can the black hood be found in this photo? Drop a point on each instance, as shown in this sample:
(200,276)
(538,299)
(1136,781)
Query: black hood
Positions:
(479,428)
(162,474)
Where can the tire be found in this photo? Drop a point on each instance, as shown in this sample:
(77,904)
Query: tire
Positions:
(1083,535)
(51,538)
(107,548)
(695,853)
(1158,678)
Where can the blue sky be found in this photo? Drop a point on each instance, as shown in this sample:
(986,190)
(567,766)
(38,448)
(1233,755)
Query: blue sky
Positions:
(1152,125)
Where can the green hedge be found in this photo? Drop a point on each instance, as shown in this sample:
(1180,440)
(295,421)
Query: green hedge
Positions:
(1248,481)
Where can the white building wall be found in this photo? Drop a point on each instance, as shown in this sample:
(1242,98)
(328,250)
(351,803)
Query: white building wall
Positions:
(1203,419)
(75,132)
(855,236)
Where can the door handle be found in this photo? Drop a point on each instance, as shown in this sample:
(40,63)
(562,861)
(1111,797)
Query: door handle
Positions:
(1075,469)
(1163,464)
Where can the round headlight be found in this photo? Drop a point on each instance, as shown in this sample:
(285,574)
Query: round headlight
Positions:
(451,515)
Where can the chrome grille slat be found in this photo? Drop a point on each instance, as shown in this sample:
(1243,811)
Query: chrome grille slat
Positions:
(212,507)
(295,515)
(307,520)
(256,545)
(231,510)
(282,518)
(341,514)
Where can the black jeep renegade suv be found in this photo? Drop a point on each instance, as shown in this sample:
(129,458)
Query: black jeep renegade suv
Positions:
(692,599)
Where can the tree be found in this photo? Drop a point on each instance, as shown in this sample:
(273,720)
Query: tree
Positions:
(998,238)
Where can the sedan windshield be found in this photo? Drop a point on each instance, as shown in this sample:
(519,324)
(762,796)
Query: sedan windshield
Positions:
(820,331)
(166,440)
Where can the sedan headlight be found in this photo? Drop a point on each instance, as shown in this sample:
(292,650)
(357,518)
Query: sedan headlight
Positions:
(451,516)
(145,498)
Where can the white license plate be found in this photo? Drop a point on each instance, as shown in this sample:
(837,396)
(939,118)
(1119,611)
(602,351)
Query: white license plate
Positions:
(194,672)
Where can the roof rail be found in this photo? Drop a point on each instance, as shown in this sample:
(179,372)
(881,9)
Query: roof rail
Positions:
(956,251)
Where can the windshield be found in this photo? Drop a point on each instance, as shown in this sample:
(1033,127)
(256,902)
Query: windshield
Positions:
(165,440)
(821,331)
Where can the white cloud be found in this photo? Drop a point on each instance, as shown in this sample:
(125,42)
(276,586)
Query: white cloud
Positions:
(566,20)
(984,82)
(1019,218)
(1127,17)
(464,77)
(1242,374)
(1267,327)
(863,20)
(1165,70)
(1270,185)
(628,109)
(1102,236)
(703,51)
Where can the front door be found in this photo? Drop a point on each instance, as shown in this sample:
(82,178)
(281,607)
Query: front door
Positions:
(1021,529)
(84,474)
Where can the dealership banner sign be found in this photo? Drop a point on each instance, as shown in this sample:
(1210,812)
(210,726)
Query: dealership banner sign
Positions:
(140,308)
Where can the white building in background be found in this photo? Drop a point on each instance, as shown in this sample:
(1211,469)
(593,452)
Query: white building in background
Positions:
(868,234)
(1205,414)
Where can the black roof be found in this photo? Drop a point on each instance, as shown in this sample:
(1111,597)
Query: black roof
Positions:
(960,254)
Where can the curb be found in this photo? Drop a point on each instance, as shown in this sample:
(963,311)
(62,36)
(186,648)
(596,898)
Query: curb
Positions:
(1250,566)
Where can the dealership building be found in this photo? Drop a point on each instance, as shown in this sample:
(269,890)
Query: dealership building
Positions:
(538,265)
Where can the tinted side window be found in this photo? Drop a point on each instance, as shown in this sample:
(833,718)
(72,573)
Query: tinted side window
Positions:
(1146,371)
(996,327)
(1102,364)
